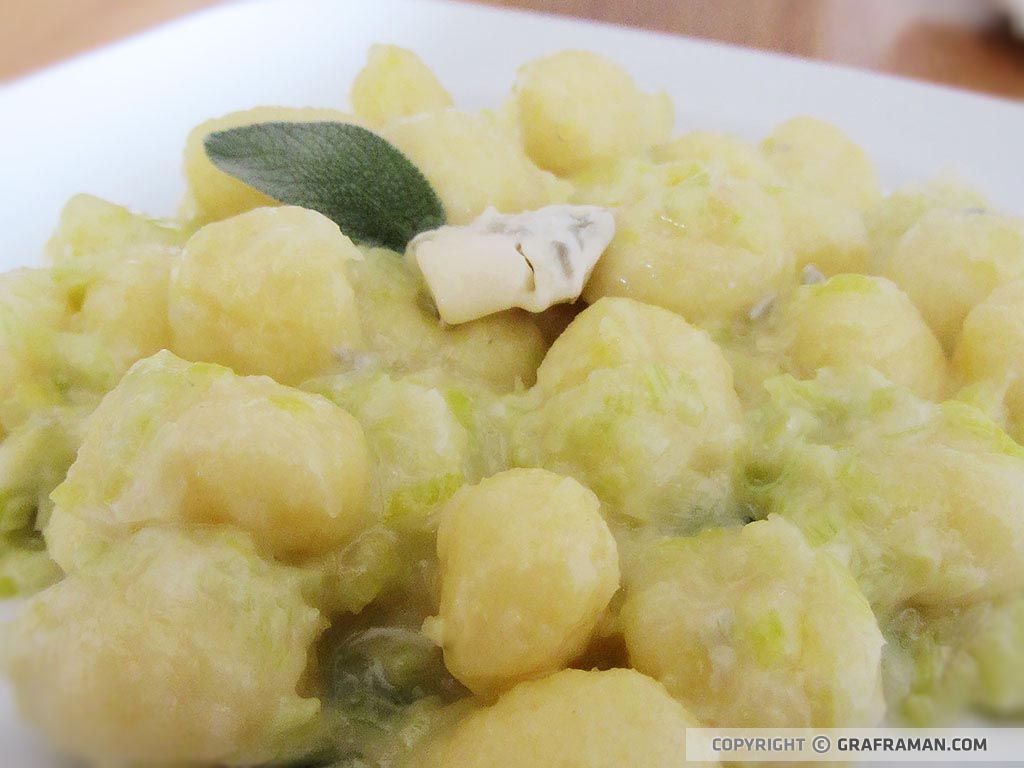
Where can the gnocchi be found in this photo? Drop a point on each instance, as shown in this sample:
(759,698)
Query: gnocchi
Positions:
(860,320)
(750,626)
(578,110)
(951,260)
(277,495)
(396,84)
(575,719)
(708,248)
(287,466)
(213,675)
(527,567)
(988,354)
(266,292)
(918,498)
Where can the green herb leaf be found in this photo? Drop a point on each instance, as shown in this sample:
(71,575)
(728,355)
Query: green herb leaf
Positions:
(349,174)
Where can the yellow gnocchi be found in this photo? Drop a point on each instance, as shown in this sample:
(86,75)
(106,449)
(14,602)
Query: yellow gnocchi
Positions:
(289,467)
(654,396)
(211,675)
(751,627)
(527,566)
(988,354)
(266,292)
(894,215)
(401,329)
(575,719)
(719,151)
(708,248)
(395,83)
(118,265)
(822,232)
(951,260)
(853,320)
(473,163)
(616,332)
(578,110)
(819,157)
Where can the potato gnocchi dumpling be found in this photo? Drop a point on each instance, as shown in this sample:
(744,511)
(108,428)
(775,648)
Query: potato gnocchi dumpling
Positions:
(43,361)
(125,306)
(615,332)
(752,628)
(721,152)
(822,232)
(709,248)
(894,215)
(473,163)
(395,83)
(990,353)
(638,405)
(427,434)
(94,232)
(266,292)
(819,157)
(287,466)
(171,648)
(401,329)
(575,719)
(951,260)
(854,320)
(33,310)
(117,265)
(629,180)
(34,457)
(527,566)
(578,110)
(663,459)
(213,194)
(502,350)
(921,499)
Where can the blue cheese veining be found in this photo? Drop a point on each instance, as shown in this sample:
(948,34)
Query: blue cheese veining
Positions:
(530,260)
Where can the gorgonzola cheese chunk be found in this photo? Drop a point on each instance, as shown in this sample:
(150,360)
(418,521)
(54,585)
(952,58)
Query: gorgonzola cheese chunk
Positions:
(530,260)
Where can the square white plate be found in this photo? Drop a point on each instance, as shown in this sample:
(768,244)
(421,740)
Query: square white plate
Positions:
(113,122)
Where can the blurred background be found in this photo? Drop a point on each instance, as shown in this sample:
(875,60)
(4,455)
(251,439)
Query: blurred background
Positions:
(964,43)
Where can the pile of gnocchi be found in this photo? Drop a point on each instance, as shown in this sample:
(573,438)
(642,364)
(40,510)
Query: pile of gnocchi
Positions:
(267,509)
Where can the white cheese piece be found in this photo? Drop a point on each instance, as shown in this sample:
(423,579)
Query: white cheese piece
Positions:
(530,260)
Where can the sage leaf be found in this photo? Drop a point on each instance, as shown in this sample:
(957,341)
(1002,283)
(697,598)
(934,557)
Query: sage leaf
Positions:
(349,174)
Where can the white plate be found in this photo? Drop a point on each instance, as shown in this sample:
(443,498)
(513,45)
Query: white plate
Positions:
(113,123)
